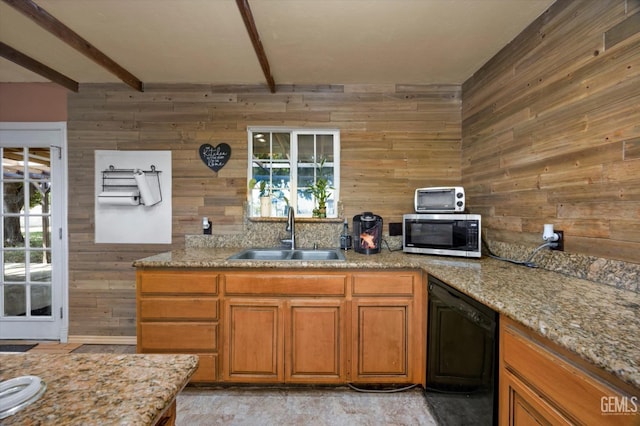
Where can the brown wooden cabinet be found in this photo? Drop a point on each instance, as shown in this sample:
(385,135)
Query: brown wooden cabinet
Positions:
(284,327)
(387,324)
(315,341)
(287,325)
(541,383)
(178,313)
(253,341)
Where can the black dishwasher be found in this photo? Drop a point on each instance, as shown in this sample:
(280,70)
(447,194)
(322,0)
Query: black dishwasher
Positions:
(462,347)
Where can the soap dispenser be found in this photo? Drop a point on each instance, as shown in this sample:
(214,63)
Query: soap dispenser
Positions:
(345,238)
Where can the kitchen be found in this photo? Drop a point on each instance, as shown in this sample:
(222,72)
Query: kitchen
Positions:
(545,132)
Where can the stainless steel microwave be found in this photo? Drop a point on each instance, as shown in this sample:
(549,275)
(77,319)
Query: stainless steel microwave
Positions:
(442,234)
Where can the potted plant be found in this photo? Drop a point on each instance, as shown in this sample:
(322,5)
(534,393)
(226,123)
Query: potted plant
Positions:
(265,199)
(265,196)
(320,191)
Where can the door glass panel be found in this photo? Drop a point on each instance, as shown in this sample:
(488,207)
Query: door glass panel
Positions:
(26,242)
(40,300)
(15,300)
(40,271)
(14,267)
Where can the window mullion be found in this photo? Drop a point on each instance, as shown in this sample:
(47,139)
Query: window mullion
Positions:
(293,202)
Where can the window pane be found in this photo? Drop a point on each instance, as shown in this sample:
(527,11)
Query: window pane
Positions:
(305,175)
(261,174)
(305,203)
(281,194)
(14,266)
(13,204)
(281,146)
(39,232)
(41,300)
(324,148)
(261,146)
(15,300)
(306,149)
(40,272)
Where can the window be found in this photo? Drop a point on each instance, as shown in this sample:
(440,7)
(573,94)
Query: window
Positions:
(289,168)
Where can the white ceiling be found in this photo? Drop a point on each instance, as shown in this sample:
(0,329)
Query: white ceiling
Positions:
(306,41)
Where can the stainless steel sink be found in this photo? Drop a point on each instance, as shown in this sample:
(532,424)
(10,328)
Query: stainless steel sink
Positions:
(290,255)
(262,254)
(317,255)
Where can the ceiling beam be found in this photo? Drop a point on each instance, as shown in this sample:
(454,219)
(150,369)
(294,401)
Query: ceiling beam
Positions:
(247,17)
(73,39)
(39,68)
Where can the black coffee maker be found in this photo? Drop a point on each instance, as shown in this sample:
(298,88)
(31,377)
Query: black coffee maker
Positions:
(367,233)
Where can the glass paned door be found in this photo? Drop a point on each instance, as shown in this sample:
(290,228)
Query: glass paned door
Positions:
(31,260)
(26,266)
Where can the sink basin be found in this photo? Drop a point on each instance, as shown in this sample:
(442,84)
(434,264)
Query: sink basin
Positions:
(317,255)
(289,255)
(262,254)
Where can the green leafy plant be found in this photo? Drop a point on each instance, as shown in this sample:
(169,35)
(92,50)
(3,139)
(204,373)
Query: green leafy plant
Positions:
(320,189)
(264,190)
(262,187)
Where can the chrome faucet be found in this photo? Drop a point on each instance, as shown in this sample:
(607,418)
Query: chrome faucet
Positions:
(291,227)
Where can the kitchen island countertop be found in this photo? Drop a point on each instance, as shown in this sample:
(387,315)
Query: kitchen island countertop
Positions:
(598,322)
(99,389)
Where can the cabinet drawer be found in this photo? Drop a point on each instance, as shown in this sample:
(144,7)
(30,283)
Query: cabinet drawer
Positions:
(567,386)
(169,336)
(285,284)
(182,282)
(207,371)
(178,308)
(397,283)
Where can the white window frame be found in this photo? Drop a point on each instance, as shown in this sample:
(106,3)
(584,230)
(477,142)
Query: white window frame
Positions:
(294,134)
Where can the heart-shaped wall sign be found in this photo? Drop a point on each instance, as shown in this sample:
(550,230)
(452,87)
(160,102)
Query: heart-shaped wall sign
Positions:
(215,157)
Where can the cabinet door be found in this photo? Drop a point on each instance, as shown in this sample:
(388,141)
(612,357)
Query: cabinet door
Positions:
(522,407)
(381,333)
(253,341)
(557,381)
(315,341)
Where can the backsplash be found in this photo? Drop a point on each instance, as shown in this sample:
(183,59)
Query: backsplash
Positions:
(268,233)
(261,233)
(616,273)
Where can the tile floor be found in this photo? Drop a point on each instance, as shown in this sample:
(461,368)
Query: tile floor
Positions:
(281,406)
(276,406)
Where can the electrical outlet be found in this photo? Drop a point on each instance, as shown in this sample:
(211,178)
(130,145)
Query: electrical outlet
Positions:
(560,243)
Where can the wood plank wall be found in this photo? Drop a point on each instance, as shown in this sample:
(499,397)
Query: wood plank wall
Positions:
(394,138)
(551,131)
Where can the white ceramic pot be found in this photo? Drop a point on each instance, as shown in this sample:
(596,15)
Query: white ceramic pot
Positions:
(265,206)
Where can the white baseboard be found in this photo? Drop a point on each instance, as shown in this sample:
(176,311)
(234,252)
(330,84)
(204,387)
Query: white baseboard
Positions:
(103,340)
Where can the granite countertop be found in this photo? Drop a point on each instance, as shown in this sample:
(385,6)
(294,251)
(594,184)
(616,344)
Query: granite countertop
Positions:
(104,389)
(596,321)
